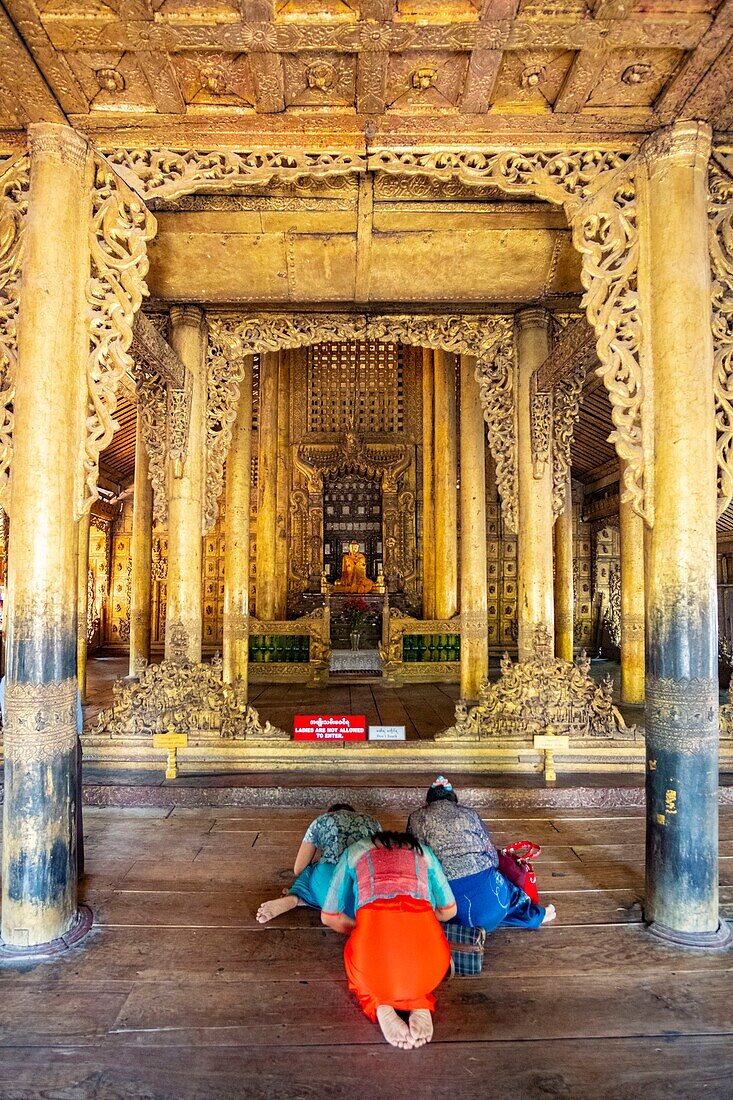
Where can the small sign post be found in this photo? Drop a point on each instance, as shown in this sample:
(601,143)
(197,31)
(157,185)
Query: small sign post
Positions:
(172,741)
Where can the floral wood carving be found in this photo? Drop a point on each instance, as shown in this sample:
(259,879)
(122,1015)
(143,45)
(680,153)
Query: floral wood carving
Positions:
(225,370)
(540,415)
(119,230)
(488,338)
(720,211)
(565,415)
(163,174)
(14,183)
(188,697)
(542,692)
(597,190)
(152,402)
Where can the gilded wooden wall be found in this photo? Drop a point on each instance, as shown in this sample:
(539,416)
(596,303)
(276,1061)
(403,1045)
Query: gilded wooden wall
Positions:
(386,414)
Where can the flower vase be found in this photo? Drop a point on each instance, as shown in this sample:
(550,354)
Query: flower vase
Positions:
(355,637)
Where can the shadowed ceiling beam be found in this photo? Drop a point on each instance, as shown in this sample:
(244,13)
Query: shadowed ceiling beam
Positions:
(21,78)
(575,345)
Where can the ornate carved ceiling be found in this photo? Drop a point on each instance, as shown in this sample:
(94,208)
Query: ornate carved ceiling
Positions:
(340,71)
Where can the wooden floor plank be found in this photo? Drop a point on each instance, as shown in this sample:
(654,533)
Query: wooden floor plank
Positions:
(181,1014)
(672,1067)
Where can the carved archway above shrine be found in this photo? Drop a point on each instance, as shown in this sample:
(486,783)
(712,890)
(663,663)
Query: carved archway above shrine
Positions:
(596,188)
(487,337)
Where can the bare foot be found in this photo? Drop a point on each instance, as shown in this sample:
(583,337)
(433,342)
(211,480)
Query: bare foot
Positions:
(550,914)
(276,908)
(395,1030)
(421,1026)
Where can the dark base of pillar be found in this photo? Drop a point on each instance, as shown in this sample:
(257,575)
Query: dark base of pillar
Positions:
(82,925)
(706,941)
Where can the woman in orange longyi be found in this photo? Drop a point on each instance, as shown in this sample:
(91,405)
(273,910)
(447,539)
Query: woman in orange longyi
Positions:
(396,953)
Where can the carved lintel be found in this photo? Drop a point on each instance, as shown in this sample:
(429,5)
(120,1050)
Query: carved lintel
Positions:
(573,350)
(163,174)
(150,349)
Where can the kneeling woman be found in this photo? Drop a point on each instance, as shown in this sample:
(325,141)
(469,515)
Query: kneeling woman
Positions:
(325,840)
(461,841)
(396,953)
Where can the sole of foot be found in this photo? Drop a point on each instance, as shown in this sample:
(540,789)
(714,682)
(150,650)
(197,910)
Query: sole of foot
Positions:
(550,914)
(270,909)
(421,1026)
(394,1029)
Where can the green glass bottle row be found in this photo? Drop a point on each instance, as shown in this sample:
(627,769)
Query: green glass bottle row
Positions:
(279,648)
(431,647)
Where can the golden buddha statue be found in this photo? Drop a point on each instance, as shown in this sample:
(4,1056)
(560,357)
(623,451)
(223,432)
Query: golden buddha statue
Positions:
(353,572)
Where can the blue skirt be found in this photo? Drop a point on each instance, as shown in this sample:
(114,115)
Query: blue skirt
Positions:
(488,900)
(312,886)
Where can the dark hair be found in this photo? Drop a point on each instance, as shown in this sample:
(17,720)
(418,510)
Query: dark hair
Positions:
(341,806)
(389,840)
(436,794)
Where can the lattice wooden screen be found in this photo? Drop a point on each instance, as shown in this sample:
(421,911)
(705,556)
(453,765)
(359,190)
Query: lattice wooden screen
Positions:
(357,383)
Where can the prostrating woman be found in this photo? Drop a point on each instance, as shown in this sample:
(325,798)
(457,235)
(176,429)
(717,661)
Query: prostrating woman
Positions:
(396,953)
(459,838)
(324,841)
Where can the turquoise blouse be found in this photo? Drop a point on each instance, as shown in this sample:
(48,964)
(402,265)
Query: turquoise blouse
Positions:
(367,872)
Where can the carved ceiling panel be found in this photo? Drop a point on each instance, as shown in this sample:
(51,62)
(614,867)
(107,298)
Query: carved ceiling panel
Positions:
(407,70)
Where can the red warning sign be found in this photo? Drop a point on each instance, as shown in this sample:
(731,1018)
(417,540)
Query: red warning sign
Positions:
(329,727)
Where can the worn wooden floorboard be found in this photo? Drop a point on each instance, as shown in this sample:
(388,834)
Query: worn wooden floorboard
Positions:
(670,1068)
(178,994)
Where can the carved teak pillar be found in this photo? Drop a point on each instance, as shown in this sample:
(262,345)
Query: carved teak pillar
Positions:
(474,601)
(186,488)
(534,536)
(39,885)
(631,527)
(267,587)
(236,556)
(428,493)
(446,474)
(681,671)
(142,555)
(564,596)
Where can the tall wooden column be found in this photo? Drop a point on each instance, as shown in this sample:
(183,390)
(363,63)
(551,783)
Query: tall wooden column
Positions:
(681,670)
(474,600)
(183,626)
(446,476)
(39,880)
(267,483)
(534,537)
(236,556)
(282,556)
(142,556)
(563,590)
(631,528)
(82,597)
(428,479)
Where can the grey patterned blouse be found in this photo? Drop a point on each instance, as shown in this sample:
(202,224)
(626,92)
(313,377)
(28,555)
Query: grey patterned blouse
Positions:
(457,835)
(334,832)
